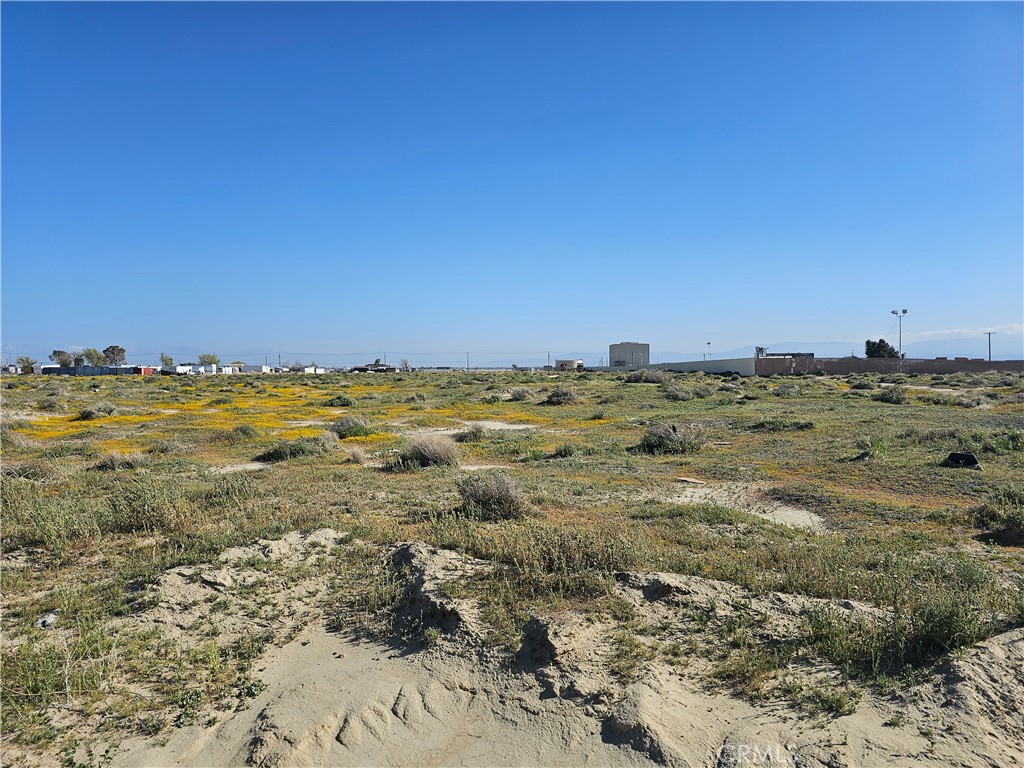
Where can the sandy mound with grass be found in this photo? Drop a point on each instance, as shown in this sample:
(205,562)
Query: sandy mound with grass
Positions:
(332,699)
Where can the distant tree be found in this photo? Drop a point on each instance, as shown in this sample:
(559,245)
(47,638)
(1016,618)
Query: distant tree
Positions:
(377,361)
(404,363)
(209,359)
(114,355)
(94,356)
(25,363)
(78,357)
(166,360)
(62,358)
(880,348)
(236,362)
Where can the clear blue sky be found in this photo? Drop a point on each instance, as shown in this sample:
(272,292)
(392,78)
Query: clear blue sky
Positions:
(509,178)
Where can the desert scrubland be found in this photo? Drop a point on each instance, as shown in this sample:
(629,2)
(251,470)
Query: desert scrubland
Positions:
(512,568)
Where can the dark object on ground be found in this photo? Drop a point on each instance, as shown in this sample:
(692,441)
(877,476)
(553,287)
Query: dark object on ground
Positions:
(964,460)
(48,620)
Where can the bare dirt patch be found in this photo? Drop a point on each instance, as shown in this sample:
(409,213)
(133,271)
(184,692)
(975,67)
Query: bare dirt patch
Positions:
(499,425)
(745,497)
(245,466)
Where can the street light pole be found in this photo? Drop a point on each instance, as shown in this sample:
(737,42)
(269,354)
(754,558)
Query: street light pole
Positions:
(900,317)
(709,350)
(989,334)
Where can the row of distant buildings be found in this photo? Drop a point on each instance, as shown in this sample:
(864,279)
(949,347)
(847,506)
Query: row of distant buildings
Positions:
(185,369)
(629,355)
(623,356)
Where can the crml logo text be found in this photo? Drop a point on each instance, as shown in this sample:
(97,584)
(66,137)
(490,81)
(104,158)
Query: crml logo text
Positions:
(739,755)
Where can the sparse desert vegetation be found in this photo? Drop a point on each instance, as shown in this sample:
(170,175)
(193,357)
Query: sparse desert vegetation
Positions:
(117,493)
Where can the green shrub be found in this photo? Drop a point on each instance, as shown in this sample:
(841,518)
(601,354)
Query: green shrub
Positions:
(339,401)
(895,395)
(869,447)
(645,376)
(1003,512)
(492,496)
(672,438)
(549,558)
(560,397)
(243,432)
(51,403)
(33,519)
(11,440)
(232,488)
(294,449)
(472,435)
(519,394)
(565,450)
(97,411)
(920,629)
(64,449)
(42,670)
(38,471)
(1003,443)
(352,426)
(675,392)
(148,504)
(114,462)
(781,425)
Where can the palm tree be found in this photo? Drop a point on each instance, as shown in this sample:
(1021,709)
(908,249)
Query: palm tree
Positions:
(25,363)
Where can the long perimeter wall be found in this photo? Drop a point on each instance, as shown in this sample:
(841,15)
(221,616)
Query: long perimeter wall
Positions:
(744,366)
(766,366)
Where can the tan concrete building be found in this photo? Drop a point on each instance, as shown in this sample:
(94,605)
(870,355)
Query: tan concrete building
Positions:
(629,354)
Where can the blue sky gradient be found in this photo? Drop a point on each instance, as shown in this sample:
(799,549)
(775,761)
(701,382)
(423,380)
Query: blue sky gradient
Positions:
(507,179)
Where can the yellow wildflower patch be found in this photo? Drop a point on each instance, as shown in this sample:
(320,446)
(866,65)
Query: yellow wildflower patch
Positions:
(378,438)
(131,418)
(291,434)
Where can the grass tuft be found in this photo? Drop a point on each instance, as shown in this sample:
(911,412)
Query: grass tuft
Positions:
(672,438)
(429,451)
(492,496)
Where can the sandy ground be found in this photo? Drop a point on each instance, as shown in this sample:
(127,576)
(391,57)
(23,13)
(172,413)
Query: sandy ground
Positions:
(333,700)
(484,424)
(245,466)
(490,424)
(745,497)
